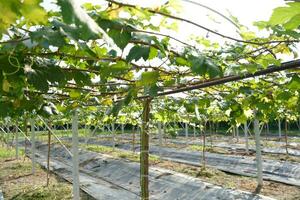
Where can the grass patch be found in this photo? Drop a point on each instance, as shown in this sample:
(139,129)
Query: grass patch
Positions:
(207,149)
(9,152)
(56,191)
(282,157)
(17,182)
(119,153)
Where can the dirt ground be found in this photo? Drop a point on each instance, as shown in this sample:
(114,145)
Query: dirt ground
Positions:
(17,182)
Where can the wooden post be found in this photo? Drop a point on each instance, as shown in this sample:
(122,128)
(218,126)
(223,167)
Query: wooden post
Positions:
(144,154)
(75,158)
(246,137)
(258,154)
(32,139)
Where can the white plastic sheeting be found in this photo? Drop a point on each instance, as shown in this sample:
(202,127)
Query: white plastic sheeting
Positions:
(280,171)
(106,178)
(1,195)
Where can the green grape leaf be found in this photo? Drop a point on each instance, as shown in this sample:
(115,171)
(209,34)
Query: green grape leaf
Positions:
(152,90)
(137,52)
(251,67)
(86,28)
(120,33)
(190,108)
(5,85)
(181,61)
(81,78)
(212,69)
(202,66)
(294,82)
(198,65)
(153,53)
(12,10)
(74,94)
(37,78)
(286,15)
(33,12)
(149,78)
(118,68)
(293,23)
(120,37)
(46,37)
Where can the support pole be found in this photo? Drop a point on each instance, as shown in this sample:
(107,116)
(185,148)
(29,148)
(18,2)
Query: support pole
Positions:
(75,158)
(48,156)
(186,132)
(258,155)
(3,135)
(285,136)
(133,139)
(25,134)
(159,137)
(17,142)
(210,123)
(246,137)
(279,128)
(122,129)
(32,139)
(113,135)
(204,146)
(9,135)
(237,134)
(164,131)
(233,132)
(268,130)
(144,154)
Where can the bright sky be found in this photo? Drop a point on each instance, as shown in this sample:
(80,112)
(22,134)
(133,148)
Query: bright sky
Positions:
(246,11)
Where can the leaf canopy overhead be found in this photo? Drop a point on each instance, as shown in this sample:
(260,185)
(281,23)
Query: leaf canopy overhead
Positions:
(91,55)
